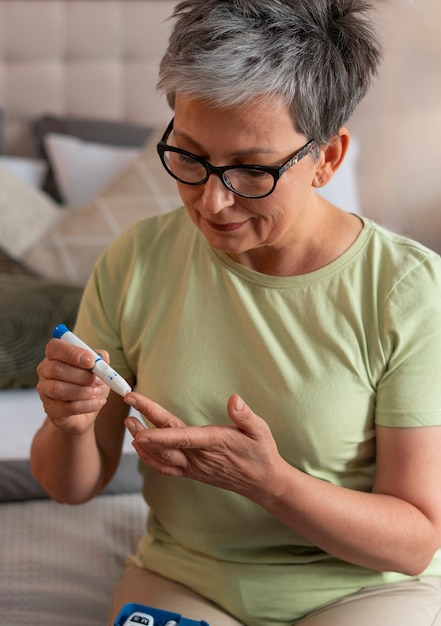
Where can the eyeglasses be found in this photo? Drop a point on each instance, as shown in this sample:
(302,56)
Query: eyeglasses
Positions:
(248,181)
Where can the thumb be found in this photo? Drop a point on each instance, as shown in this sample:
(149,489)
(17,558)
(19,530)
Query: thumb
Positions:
(242,415)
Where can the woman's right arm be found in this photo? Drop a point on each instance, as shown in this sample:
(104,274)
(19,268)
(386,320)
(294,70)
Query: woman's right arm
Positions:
(76,451)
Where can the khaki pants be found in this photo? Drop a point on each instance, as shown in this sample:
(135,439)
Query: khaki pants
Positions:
(413,603)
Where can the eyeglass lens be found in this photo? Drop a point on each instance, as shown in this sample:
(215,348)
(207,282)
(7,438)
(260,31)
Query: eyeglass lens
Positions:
(246,181)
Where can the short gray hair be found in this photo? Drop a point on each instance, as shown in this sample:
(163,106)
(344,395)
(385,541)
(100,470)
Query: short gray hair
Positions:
(319,55)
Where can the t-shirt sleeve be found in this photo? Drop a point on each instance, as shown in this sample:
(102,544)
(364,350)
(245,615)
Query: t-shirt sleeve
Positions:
(409,392)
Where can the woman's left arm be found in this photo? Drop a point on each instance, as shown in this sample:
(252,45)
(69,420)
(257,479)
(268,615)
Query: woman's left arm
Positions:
(396,527)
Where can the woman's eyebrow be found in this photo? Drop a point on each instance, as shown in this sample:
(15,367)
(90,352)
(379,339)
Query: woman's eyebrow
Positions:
(237,153)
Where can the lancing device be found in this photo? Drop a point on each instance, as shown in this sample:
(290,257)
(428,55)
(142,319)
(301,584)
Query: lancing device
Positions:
(101,369)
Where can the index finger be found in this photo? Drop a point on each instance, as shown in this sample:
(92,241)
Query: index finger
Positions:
(152,411)
(67,353)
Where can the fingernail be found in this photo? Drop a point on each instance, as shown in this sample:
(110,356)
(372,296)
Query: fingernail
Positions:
(238,405)
(131,426)
(86,361)
(131,401)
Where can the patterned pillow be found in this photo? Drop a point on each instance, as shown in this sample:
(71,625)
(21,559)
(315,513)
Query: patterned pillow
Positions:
(69,251)
(8,265)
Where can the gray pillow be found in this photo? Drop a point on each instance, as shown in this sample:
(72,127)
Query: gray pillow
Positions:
(17,482)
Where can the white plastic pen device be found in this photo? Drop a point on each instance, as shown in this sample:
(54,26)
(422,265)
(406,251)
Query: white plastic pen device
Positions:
(101,369)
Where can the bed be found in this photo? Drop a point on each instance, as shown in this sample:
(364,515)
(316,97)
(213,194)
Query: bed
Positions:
(80,119)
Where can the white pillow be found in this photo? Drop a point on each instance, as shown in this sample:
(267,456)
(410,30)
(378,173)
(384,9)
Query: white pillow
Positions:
(30,171)
(83,169)
(342,189)
(25,214)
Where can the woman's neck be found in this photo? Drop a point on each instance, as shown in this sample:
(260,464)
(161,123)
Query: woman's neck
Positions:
(326,240)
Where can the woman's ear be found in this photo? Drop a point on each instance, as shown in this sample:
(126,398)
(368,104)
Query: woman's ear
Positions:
(331,157)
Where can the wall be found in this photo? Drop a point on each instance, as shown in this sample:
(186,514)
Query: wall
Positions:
(74,58)
(90,58)
(399,124)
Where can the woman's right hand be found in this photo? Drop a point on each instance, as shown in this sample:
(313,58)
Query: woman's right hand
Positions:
(71,394)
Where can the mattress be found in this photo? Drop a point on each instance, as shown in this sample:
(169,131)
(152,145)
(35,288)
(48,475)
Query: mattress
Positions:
(59,563)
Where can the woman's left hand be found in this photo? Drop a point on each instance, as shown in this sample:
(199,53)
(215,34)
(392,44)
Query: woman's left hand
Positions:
(240,457)
(394,527)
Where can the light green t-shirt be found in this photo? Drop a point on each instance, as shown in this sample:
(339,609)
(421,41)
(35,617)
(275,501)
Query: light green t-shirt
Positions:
(321,357)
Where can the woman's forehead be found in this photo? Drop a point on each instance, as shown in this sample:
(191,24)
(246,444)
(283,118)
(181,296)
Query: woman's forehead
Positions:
(265,119)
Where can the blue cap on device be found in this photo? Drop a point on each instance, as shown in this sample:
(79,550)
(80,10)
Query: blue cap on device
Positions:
(59,331)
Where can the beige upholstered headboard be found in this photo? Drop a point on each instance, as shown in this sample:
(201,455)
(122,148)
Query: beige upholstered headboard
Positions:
(93,58)
(99,58)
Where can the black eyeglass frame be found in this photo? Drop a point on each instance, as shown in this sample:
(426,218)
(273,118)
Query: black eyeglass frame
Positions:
(275,172)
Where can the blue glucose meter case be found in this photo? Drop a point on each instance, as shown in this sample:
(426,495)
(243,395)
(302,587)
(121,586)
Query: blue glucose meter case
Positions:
(133,614)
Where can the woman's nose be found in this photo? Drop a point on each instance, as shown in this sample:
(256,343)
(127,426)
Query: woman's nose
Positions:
(215,195)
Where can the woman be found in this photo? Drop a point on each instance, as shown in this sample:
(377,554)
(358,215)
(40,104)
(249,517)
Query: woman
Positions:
(286,352)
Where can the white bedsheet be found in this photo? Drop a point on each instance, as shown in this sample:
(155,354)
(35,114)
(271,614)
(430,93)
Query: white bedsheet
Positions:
(58,563)
(21,414)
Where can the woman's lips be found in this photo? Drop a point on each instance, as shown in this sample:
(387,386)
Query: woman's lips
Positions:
(226,228)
